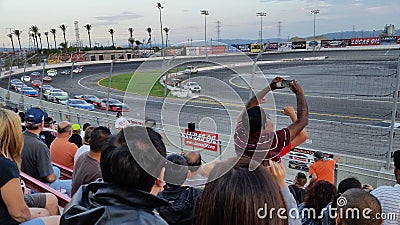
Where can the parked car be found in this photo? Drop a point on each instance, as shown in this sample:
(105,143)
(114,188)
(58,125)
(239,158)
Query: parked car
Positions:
(36,83)
(78,103)
(35,75)
(191,70)
(65,72)
(192,86)
(92,99)
(52,73)
(29,91)
(47,79)
(113,105)
(25,78)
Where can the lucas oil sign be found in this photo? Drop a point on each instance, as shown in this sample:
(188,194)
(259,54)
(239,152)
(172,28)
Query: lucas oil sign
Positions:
(201,139)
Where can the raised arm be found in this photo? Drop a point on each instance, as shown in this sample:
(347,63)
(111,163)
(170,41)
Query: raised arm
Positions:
(302,111)
(302,136)
(258,98)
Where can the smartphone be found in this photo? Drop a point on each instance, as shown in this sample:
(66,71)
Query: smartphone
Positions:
(286,83)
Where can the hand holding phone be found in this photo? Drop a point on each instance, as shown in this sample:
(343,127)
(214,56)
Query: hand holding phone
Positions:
(286,83)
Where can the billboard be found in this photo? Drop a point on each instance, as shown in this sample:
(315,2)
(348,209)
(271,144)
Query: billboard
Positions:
(284,46)
(201,139)
(192,51)
(341,43)
(217,49)
(389,40)
(242,48)
(398,39)
(299,45)
(272,46)
(365,41)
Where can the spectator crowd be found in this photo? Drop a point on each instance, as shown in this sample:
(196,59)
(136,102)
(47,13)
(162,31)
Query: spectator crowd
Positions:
(128,177)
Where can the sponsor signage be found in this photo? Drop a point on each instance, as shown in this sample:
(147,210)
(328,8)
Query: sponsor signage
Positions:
(398,39)
(299,45)
(201,139)
(285,46)
(342,43)
(389,40)
(217,49)
(192,51)
(272,46)
(365,41)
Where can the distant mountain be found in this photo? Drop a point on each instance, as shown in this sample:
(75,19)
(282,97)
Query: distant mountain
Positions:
(330,36)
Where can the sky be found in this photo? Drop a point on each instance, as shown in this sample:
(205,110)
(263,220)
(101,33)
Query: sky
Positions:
(237,18)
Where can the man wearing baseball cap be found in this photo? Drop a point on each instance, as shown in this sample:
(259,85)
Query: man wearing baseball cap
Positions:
(76,135)
(321,168)
(35,154)
(48,136)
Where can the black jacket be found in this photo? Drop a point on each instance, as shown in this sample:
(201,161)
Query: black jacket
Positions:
(76,139)
(104,204)
(183,204)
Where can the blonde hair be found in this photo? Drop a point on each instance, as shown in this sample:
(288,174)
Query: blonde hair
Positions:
(11,139)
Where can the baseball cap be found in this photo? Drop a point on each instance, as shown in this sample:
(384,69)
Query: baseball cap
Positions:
(76,126)
(49,120)
(34,116)
(318,155)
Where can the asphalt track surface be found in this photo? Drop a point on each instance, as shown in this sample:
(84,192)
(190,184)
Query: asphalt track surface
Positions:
(349,96)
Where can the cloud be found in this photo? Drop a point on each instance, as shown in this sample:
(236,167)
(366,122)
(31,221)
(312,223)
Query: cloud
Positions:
(111,20)
(377,10)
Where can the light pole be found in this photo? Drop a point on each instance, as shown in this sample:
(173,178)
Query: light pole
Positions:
(261,15)
(205,13)
(314,12)
(162,37)
(23,81)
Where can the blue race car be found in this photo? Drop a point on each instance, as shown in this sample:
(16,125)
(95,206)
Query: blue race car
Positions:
(28,91)
(80,104)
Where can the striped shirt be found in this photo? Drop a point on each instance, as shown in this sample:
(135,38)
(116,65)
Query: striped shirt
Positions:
(389,197)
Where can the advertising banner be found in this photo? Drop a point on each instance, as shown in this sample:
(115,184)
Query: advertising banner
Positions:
(365,41)
(398,39)
(299,45)
(272,46)
(78,57)
(285,46)
(335,43)
(201,139)
(389,40)
(217,49)
(242,48)
(192,51)
(301,159)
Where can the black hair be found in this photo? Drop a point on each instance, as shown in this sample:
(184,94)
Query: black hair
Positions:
(176,170)
(396,159)
(301,178)
(254,119)
(98,138)
(85,125)
(136,161)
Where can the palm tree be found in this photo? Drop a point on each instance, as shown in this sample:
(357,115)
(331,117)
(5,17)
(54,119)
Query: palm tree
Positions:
(130,32)
(18,34)
(12,41)
(47,39)
(54,31)
(131,41)
(35,31)
(88,28)
(149,31)
(111,31)
(166,30)
(64,45)
(40,39)
(32,35)
(63,29)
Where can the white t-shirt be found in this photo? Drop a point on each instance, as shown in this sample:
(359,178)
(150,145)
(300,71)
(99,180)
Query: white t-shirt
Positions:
(121,123)
(84,148)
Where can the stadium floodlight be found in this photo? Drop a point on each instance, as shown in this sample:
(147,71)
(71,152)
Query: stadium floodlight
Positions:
(261,15)
(205,13)
(314,12)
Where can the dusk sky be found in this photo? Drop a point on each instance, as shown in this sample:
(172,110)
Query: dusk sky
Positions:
(238,18)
